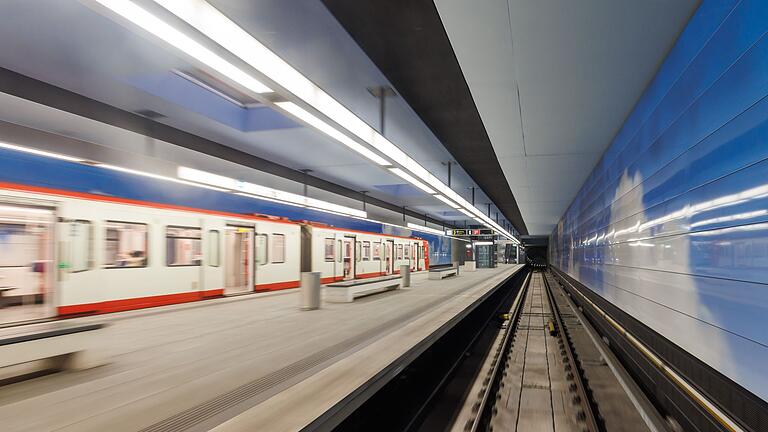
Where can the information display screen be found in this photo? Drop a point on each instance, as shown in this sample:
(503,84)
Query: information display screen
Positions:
(469,232)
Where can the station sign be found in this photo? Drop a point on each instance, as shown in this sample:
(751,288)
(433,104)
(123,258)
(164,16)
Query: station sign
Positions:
(469,232)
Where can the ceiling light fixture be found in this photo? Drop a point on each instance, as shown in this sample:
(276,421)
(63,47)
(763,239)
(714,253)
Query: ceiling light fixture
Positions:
(425,229)
(263,192)
(135,14)
(219,28)
(156,176)
(40,152)
(447,201)
(410,179)
(332,132)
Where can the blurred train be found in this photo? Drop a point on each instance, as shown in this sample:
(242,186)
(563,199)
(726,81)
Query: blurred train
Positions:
(65,252)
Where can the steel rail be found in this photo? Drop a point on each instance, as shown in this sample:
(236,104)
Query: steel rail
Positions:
(586,406)
(708,405)
(494,375)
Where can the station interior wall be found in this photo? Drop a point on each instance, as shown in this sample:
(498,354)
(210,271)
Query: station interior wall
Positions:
(672,226)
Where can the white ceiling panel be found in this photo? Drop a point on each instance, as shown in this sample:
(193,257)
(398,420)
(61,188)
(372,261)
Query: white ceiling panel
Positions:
(578,68)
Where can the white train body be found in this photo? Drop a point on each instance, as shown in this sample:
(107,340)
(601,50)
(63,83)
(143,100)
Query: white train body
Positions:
(78,254)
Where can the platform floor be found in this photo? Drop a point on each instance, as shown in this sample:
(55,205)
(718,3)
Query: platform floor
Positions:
(195,366)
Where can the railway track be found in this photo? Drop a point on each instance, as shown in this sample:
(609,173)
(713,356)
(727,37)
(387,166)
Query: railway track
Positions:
(540,374)
(528,359)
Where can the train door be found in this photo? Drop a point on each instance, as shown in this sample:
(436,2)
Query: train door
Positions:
(389,256)
(338,268)
(349,257)
(239,260)
(260,256)
(414,256)
(26,262)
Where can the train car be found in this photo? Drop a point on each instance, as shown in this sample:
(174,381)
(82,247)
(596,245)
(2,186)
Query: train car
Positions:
(113,256)
(343,254)
(64,253)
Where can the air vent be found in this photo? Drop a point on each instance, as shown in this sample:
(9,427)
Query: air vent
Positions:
(148,113)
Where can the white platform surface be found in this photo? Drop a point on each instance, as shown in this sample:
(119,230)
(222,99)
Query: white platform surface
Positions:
(167,360)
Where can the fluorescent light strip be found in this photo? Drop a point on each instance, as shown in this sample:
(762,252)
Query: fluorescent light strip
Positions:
(40,152)
(130,11)
(410,179)
(466,212)
(447,201)
(157,176)
(425,229)
(327,129)
(215,25)
(263,192)
(212,23)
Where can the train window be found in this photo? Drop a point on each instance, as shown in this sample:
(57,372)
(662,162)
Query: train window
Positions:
(377,251)
(329,252)
(278,248)
(366,251)
(399,251)
(126,245)
(339,256)
(407,251)
(183,246)
(213,248)
(80,246)
(262,242)
(358,255)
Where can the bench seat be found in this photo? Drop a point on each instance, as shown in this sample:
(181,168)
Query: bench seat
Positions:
(61,345)
(442,273)
(348,291)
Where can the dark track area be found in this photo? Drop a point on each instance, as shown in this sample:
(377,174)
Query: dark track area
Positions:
(429,391)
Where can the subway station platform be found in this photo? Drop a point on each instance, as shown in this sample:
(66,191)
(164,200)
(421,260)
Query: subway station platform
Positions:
(252,362)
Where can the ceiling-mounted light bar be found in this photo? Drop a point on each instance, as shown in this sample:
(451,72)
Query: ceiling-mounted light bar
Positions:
(447,201)
(135,14)
(327,129)
(157,176)
(258,191)
(425,229)
(466,212)
(216,26)
(410,179)
(39,152)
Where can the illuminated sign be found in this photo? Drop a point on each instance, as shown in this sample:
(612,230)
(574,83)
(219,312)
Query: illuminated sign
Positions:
(469,232)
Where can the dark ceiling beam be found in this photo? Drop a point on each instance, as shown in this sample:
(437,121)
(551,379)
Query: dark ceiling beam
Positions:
(22,86)
(407,42)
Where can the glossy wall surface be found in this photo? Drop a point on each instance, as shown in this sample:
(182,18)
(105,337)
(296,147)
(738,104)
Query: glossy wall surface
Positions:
(672,224)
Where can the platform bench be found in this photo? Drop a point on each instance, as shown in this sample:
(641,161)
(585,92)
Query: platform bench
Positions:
(348,291)
(59,345)
(437,273)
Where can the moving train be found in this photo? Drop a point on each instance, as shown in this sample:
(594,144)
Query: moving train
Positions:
(65,252)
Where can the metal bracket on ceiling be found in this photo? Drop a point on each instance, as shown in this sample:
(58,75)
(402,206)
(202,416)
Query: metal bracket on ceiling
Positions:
(382,93)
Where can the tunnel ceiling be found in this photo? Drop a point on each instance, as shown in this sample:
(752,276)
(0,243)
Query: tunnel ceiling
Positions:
(526,95)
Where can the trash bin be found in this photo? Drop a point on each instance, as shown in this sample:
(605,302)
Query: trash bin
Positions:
(405,273)
(310,290)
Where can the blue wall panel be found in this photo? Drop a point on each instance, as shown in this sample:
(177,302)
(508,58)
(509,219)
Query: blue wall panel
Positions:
(672,224)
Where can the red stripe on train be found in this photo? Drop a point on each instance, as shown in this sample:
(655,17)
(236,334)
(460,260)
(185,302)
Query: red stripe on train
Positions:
(277,286)
(137,303)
